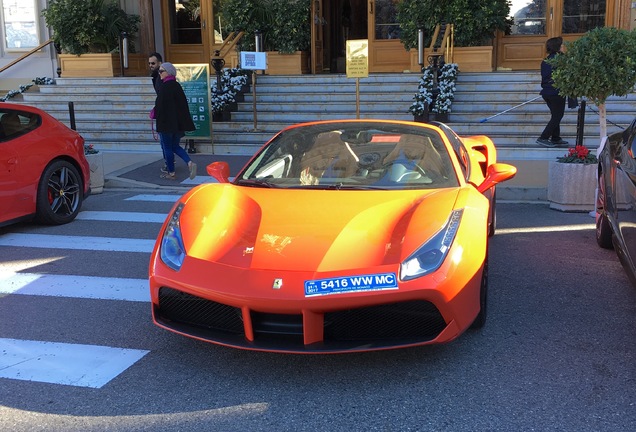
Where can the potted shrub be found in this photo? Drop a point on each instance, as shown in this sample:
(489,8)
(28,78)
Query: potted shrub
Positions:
(596,66)
(233,82)
(84,28)
(572,180)
(474,28)
(285,29)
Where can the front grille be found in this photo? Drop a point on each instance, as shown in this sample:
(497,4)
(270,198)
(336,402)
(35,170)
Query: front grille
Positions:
(182,308)
(414,320)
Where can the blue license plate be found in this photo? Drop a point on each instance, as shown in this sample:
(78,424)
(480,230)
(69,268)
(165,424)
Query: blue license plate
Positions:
(349,284)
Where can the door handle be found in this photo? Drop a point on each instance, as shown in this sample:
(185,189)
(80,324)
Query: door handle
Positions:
(203,24)
(371,7)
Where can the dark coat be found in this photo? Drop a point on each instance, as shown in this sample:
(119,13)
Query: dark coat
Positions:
(156,81)
(171,109)
(547,83)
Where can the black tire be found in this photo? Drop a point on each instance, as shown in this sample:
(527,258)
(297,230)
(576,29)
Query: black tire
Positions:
(480,320)
(60,194)
(603,228)
(492,219)
(603,231)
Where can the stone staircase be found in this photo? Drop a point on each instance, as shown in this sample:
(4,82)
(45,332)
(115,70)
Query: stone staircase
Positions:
(113,113)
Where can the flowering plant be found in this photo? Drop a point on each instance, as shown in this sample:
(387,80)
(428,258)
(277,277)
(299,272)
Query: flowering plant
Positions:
(578,154)
(89,149)
(447,76)
(232,81)
(25,87)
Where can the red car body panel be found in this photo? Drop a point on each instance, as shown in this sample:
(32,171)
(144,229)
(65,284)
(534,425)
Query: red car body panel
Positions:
(24,159)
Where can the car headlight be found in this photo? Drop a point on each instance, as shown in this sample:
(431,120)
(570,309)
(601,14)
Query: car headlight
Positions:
(172,249)
(430,256)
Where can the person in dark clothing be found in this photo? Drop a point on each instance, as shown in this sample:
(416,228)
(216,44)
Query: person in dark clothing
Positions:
(551,135)
(154,63)
(173,120)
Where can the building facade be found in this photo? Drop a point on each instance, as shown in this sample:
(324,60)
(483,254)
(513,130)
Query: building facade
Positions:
(189,31)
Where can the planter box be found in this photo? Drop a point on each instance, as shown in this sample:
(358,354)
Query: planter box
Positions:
(101,65)
(96,165)
(469,59)
(572,186)
(280,64)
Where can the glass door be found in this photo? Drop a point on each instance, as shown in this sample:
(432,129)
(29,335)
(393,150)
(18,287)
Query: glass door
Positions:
(188,31)
(535,21)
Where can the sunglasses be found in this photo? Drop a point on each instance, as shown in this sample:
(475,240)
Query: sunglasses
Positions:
(152,63)
(162,70)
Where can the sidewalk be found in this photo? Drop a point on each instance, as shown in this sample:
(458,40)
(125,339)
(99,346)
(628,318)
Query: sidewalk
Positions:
(128,169)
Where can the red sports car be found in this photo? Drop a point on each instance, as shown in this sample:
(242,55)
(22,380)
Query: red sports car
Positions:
(43,171)
(350,235)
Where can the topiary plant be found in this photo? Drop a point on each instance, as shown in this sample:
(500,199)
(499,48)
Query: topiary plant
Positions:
(596,66)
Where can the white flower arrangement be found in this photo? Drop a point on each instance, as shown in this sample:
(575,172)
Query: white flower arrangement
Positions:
(447,76)
(446,85)
(424,96)
(232,81)
(25,87)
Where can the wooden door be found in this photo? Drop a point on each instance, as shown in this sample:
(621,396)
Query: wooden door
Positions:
(386,52)
(317,36)
(188,30)
(535,21)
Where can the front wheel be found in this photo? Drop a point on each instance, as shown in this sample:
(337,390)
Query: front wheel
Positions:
(60,194)
(480,320)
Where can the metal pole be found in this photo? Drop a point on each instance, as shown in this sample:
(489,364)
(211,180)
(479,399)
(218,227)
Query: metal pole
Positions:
(420,47)
(71,111)
(580,123)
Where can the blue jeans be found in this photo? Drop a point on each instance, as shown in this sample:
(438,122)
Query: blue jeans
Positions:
(170,145)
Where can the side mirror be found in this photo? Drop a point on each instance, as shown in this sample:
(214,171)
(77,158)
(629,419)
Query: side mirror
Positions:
(497,173)
(220,171)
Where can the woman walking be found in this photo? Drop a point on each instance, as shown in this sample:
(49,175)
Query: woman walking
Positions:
(173,120)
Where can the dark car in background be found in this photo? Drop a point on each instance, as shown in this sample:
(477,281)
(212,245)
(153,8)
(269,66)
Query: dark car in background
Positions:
(616,198)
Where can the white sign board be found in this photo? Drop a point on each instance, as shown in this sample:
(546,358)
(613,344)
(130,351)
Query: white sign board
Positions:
(253,60)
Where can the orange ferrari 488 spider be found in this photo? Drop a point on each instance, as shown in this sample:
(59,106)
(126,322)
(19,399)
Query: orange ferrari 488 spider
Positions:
(337,236)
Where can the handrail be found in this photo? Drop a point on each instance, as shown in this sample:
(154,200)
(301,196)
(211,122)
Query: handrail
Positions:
(25,55)
(228,44)
(447,43)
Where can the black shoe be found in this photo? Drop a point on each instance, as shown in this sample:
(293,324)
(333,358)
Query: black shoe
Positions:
(546,142)
(560,143)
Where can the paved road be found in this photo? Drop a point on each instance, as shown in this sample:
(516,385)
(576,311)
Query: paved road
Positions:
(558,351)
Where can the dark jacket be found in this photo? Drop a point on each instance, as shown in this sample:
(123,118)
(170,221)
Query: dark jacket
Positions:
(547,83)
(156,81)
(171,109)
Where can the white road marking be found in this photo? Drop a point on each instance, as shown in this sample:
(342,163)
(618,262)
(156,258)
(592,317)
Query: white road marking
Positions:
(61,363)
(154,198)
(122,216)
(76,242)
(88,287)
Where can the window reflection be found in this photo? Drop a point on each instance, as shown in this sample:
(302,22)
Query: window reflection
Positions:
(20,27)
(185,20)
(580,16)
(386,25)
(528,17)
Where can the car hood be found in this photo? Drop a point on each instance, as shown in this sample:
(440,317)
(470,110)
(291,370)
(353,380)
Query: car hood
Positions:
(310,230)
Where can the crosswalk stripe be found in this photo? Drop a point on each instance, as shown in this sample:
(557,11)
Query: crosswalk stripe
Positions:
(88,287)
(122,216)
(62,363)
(154,198)
(76,242)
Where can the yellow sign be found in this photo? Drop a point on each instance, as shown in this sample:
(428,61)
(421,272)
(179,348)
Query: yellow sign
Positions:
(358,58)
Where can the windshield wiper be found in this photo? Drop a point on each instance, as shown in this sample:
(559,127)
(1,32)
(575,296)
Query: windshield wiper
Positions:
(255,183)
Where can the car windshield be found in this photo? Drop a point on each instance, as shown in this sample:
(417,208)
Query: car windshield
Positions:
(353,155)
